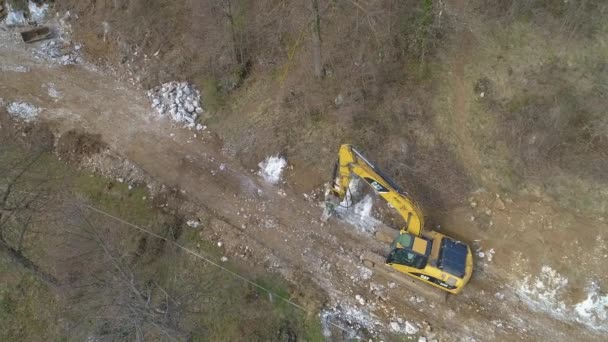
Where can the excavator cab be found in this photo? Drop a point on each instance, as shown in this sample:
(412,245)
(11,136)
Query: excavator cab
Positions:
(406,257)
(409,250)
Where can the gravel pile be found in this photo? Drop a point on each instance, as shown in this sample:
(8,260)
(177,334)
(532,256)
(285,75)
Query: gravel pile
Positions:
(60,52)
(179,100)
(23,111)
(14,18)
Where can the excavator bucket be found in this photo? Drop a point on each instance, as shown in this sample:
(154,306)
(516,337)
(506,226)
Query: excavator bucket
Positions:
(34,35)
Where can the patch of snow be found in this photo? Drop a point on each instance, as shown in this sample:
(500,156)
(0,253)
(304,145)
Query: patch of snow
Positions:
(52,91)
(23,111)
(490,254)
(593,311)
(14,68)
(15,18)
(271,168)
(544,291)
(410,328)
(354,189)
(193,223)
(404,327)
(364,273)
(363,208)
(37,12)
(352,319)
(360,215)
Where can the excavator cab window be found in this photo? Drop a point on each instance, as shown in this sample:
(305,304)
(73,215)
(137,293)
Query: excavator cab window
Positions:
(407,257)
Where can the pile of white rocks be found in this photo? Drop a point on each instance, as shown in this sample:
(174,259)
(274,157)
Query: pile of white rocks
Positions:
(59,51)
(179,100)
(23,111)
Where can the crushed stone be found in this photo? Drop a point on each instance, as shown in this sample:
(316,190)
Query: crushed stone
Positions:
(59,51)
(15,18)
(271,169)
(181,101)
(593,311)
(544,291)
(23,111)
(14,68)
(193,223)
(358,213)
(37,12)
(352,318)
(52,90)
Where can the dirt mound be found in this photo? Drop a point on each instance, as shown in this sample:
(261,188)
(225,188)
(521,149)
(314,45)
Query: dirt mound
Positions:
(28,135)
(74,145)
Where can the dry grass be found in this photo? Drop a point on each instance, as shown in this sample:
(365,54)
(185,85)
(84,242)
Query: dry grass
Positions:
(541,121)
(389,61)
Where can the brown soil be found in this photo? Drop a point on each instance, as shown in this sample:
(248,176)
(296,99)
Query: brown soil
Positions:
(284,232)
(75,145)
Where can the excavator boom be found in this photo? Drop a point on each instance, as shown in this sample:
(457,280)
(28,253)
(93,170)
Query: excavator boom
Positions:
(351,162)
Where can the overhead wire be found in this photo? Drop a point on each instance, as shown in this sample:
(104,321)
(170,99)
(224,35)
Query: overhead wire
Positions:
(211,262)
(204,258)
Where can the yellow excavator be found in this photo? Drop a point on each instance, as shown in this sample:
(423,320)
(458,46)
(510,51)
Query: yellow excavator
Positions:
(416,256)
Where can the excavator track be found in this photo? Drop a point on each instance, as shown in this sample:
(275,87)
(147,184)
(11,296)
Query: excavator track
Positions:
(376,263)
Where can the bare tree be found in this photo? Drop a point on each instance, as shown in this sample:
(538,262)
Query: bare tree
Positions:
(112,301)
(234,16)
(316,39)
(22,196)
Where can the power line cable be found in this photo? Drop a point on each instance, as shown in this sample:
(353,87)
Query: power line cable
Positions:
(211,262)
(198,255)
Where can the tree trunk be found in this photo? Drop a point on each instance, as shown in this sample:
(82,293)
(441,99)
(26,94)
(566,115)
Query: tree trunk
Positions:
(236,42)
(16,257)
(316,40)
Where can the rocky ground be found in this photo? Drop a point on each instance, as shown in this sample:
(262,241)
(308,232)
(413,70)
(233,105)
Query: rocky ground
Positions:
(537,275)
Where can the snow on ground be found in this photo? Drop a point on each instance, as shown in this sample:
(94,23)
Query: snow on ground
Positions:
(15,18)
(351,318)
(14,68)
(52,90)
(354,321)
(23,111)
(593,311)
(487,255)
(358,213)
(18,18)
(271,169)
(37,13)
(546,292)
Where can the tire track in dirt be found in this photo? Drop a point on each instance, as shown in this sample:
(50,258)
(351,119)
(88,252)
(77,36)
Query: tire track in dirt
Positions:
(463,42)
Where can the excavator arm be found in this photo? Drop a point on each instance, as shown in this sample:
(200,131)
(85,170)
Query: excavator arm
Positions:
(351,162)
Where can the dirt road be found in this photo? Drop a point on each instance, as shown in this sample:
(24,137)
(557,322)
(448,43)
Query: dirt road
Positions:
(283,228)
